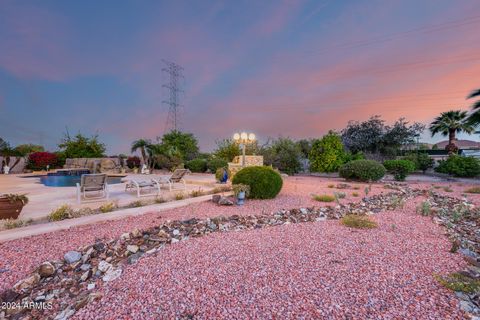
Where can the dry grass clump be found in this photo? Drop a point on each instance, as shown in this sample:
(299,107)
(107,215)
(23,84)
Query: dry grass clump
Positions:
(179,196)
(473,190)
(355,194)
(108,207)
(459,282)
(323,198)
(159,200)
(331,186)
(135,204)
(61,213)
(14,223)
(197,193)
(359,222)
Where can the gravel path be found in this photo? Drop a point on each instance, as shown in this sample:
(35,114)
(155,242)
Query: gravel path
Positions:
(309,270)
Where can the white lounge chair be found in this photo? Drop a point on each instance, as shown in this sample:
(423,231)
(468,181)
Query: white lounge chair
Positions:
(95,184)
(143,185)
(176,177)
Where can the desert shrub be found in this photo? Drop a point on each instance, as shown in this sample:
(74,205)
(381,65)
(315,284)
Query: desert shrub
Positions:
(459,282)
(133,162)
(324,198)
(362,170)
(473,190)
(359,222)
(197,165)
(355,194)
(215,163)
(135,204)
(168,162)
(421,160)
(340,195)
(159,200)
(40,160)
(61,213)
(425,208)
(16,223)
(264,182)
(399,168)
(283,154)
(327,154)
(196,193)
(108,207)
(459,166)
(179,196)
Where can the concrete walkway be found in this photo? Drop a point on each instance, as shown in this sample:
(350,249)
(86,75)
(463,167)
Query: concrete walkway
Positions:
(115,215)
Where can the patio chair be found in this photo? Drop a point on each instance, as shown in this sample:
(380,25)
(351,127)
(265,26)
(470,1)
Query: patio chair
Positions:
(143,185)
(176,177)
(95,184)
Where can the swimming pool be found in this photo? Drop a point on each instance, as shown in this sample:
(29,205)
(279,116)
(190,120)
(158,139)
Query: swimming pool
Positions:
(60,179)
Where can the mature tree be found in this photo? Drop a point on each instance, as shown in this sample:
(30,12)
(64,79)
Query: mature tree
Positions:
(474,117)
(450,123)
(81,146)
(26,149)
(373,137)
(184,143)
(363,136)
(283,154)
(227,149)
(327,154)
(142,145)
(398,135)
(305,146)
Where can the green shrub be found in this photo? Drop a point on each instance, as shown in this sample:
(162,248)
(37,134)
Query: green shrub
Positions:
(324,198)
(460,166)
(215,163)
(362,170)
(264,182)
(327,154)
(359,222)
(399,168)
(283,154)
(421,160)
(197,165)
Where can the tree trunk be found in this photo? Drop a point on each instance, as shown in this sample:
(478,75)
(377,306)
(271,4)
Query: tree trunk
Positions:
(451,136)
(144,155)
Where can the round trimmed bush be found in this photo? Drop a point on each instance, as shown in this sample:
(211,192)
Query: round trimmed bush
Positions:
(197,165)
(362,170)
(399,168)
(215,163)
(264,182)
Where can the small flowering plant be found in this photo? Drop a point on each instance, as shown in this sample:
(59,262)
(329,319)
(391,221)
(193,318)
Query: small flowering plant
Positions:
(239,188)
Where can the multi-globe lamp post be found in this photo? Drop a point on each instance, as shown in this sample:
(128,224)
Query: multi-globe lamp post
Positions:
(243,139)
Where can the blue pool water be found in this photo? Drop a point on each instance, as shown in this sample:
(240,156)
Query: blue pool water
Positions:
(69,180)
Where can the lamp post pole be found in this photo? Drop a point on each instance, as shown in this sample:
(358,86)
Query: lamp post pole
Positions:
(244,147)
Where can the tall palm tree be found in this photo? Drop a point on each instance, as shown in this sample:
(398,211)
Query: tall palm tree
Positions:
(141,144)
(474,117)
(450,123)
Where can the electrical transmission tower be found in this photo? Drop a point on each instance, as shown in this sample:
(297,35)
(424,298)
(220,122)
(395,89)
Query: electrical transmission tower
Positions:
(175,74)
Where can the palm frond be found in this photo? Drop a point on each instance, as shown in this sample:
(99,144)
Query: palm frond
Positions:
(474,93)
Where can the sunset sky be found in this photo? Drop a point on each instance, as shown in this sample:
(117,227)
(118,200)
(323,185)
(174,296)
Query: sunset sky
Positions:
(290,68)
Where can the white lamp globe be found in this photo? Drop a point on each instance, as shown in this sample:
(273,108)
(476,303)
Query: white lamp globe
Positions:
(251,137)
(244,136)
(236,136)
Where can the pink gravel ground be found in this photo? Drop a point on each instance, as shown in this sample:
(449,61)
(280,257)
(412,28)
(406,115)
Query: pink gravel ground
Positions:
(21,256)
(310,270)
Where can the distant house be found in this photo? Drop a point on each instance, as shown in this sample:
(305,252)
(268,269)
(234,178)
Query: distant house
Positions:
(461,144)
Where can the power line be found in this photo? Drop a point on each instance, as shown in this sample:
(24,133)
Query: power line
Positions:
(175,73)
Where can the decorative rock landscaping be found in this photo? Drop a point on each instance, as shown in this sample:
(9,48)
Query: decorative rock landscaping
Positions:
(68,285)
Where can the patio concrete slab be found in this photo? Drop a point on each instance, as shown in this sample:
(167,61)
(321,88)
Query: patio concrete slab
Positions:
(43,199)
(37,229)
